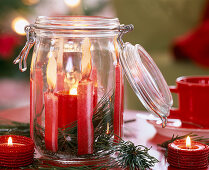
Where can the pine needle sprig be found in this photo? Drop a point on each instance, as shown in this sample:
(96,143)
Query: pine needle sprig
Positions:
(102,115)
(128,155)
(194,137)
(120,155)
(9,127)
(134,157)
(123,154)
(166,143)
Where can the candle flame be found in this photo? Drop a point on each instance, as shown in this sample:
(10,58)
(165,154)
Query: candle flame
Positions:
(116,54)
(10,141)
(73,91)
(108,128)
(51,71)
(86,59)
(188,142)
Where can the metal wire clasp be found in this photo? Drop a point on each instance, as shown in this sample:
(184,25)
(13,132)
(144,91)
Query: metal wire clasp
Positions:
(123,29)
(22,57)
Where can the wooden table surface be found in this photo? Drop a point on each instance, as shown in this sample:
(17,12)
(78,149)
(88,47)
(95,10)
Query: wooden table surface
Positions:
(139,132)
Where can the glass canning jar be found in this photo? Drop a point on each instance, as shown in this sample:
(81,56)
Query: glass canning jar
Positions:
(76,80)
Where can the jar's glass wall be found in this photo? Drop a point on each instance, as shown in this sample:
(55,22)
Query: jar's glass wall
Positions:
(76,95)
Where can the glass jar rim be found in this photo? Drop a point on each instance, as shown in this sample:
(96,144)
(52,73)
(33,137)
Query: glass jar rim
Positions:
(76,23)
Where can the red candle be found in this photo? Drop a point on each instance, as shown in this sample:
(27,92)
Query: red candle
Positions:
(118,122)
(32,109)
(122,105)
(16,151)
(36,98)
(67,108)
(85,114)
(188,155)
(51,121)
(60,81)
(51,107)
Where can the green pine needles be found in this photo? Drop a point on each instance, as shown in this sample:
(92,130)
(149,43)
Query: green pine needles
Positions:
(194,137)
(134,157)
(123,154)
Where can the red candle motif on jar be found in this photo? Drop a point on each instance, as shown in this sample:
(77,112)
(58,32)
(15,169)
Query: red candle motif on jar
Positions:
(51,108)
(85,103)
(36,98)
(188,154)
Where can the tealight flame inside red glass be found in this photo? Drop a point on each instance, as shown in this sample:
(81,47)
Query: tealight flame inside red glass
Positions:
(10,143)
(188,142)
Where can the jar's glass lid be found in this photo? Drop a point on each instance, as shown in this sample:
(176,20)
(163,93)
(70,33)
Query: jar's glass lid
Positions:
(146,80)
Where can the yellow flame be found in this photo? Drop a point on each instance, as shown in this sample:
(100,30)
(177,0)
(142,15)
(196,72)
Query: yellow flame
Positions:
(51,72)
(188,142)
(108,128)
(116,55)
(72,3)
(10,141)
(18,25)
(86,59)
(73,91)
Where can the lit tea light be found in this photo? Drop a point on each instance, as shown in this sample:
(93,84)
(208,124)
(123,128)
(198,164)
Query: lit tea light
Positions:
(186,154)
(10,143)
(13,147)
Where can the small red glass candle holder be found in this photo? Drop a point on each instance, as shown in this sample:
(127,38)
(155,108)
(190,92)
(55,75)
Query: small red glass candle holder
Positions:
(16,151)
(193,157)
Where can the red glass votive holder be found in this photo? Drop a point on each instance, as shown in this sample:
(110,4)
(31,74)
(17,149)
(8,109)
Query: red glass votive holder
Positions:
(188,158)
(18,153)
